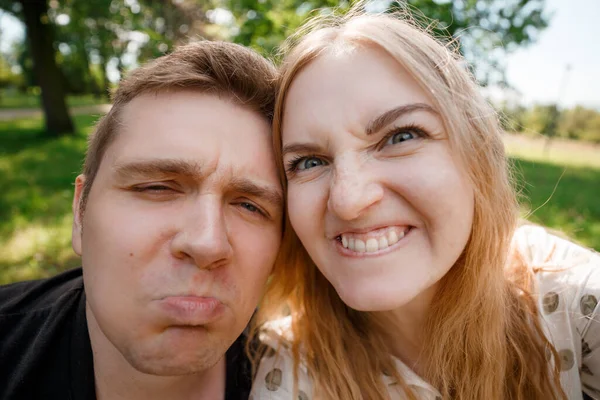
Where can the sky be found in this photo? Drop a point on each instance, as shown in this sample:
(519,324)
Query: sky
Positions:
(572,38)
(563,66)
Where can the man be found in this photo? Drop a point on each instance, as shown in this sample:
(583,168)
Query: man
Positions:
(177,218)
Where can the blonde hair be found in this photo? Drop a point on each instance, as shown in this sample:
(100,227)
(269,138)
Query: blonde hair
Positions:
(482,336)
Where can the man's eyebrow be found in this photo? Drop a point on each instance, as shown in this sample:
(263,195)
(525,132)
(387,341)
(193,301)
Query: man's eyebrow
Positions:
(390,116)
(159,167)
(266,192)
(302,148)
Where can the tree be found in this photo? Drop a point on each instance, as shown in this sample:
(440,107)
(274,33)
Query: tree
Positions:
(40,39)
(580,123)
(483,29)
(123,32)
(41,42)
(265,24)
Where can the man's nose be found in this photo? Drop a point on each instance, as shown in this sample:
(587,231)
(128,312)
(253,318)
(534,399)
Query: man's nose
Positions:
(202,234)
(353,190)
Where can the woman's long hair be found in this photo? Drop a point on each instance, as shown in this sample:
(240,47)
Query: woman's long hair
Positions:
(482,336)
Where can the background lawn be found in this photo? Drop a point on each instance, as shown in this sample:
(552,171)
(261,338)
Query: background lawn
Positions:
(14,99)
(559,189)
(36,175)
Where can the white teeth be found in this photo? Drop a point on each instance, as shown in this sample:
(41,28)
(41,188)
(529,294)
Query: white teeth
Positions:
(372,245)
(359,246)
(383,242)
(392,238)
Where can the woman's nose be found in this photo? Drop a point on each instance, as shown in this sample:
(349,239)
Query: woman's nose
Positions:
(353,190)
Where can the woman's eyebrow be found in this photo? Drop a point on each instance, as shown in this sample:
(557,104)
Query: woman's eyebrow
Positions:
(377,124)
(301,148)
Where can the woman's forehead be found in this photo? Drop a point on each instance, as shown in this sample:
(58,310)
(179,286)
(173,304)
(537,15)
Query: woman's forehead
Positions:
(350,88)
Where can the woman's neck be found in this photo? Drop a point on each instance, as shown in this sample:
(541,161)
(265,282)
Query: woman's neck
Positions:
(403,328)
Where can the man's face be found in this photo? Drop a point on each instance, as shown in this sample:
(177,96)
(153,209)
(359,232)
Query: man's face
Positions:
(181,229)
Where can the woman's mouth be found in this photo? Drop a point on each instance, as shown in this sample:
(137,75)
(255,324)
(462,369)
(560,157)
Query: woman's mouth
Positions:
(374,241)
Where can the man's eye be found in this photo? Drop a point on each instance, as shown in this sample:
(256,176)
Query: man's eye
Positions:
(250,207)
(156,189)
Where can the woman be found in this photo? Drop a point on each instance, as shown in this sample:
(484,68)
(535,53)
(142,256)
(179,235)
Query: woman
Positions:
(395,279)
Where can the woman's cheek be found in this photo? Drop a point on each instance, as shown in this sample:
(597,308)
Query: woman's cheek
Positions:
(305,206)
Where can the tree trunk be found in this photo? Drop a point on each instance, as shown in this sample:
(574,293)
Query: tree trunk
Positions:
(40,41)
(105,84)
(104,56)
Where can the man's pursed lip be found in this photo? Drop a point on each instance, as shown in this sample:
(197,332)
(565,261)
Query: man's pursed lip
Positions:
(189,310)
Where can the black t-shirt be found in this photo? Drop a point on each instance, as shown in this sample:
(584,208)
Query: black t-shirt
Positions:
(45,350)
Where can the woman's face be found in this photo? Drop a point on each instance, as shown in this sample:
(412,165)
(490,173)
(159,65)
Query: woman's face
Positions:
(374,193)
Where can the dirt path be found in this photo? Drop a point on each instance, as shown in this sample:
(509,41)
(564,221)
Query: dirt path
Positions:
(17,113)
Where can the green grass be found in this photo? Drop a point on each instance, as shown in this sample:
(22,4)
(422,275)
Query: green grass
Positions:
(560,190)
(562,197)
(36,174)
(15,99)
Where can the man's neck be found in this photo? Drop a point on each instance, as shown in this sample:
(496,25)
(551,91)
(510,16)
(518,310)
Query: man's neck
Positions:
(117,379)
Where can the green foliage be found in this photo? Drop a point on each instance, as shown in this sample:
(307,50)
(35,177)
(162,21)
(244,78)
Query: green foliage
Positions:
(7,77)
(483,29)
(124,32)
(121,31)
(265,24)
(579,123)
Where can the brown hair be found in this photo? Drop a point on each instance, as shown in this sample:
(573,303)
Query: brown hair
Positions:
(482,336)
(225,69)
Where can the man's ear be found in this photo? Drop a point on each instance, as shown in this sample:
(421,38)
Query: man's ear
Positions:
(77,217)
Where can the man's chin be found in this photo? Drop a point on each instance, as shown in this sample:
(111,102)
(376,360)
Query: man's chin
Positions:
(175,367)
(177,359)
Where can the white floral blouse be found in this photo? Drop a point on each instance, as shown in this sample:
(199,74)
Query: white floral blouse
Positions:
(568,289)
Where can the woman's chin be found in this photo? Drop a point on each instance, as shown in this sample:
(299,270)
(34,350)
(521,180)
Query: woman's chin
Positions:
(384,299)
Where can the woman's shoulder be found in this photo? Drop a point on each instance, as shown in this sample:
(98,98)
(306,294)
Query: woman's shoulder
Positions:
(557,262)
(274,378)
(563,269)
(567,289)
(541,247)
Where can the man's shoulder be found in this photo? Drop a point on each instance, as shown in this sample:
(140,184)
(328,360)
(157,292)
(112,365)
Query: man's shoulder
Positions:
(34,296)
(44,341)
(239,369)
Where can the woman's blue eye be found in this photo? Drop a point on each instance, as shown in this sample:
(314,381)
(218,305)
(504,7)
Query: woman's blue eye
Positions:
(400,137)
(310,162)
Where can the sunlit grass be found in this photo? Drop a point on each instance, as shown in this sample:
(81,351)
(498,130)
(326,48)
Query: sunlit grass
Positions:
(560,185)
(15,99)
(36,175)
(559,151)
